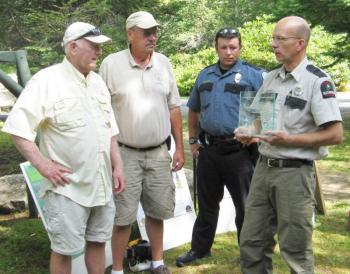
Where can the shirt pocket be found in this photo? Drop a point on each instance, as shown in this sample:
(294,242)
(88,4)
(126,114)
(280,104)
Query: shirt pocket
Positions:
(105,108)
(293,111)
(68,114)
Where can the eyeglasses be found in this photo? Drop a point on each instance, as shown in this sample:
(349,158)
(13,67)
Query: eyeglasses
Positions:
(280,39)
(93,32)
(149,32)
(228,33)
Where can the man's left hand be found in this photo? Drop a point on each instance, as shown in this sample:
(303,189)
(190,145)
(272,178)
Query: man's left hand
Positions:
(118,181)
(276,138)
(178,160)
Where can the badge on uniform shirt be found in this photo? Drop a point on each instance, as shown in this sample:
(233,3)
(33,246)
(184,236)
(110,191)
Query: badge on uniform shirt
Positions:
(297,91)
(238,77)
(327,90)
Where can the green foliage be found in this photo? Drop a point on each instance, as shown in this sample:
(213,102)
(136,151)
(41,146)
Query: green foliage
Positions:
(187,66)
(256,44)
(188,28)
(257,50)
(10,158)
(334,15)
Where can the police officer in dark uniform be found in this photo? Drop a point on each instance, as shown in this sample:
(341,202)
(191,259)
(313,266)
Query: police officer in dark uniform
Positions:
(212,119)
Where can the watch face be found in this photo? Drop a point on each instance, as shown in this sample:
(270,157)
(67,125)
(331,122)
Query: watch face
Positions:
(193,141)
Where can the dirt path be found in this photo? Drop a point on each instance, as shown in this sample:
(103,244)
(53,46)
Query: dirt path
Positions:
(335,185)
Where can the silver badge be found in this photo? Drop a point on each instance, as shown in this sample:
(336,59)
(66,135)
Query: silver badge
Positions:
(298,91)
(238,77)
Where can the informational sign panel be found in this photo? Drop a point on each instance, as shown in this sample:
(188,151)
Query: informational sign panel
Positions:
(34,181)
(177,230)
(227,215)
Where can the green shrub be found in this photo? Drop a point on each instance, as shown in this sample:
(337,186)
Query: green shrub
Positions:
(187,66)
(256,39)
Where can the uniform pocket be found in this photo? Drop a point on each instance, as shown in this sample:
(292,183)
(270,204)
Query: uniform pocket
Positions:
(69,114)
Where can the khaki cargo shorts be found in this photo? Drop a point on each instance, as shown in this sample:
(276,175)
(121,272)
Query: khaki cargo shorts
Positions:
(70,225)
(149,181)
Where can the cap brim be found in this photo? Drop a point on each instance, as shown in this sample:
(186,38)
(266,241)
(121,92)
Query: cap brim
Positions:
(98,39)
(147,25)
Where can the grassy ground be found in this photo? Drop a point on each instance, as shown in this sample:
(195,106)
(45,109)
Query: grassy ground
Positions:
(25,248)
(339,156)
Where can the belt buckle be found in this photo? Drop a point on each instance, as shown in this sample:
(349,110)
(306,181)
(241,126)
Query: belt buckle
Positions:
(269,161)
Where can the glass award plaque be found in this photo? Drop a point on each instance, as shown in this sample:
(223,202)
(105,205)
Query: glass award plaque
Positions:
(256,115)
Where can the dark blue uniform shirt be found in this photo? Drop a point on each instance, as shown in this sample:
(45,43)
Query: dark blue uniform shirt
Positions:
(216,96)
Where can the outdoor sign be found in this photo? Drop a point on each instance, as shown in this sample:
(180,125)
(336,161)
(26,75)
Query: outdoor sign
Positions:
(34,181)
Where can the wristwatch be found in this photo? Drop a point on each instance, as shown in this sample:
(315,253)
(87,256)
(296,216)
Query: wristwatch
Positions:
(193,140)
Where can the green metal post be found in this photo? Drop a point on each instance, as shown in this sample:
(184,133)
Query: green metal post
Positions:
(23,75)
(23,72)
(11,85)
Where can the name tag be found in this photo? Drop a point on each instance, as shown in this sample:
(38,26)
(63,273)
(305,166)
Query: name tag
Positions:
(208,86)
(295,103)
(234,88)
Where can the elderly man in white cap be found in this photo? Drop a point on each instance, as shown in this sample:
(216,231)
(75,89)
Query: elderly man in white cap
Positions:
(146,103)
(79,157)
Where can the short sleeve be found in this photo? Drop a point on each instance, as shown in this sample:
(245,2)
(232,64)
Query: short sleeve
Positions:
(174,97)
(27,113)
(194,100)
(324,104)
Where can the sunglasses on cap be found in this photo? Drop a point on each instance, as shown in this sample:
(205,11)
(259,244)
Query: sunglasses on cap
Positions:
(228,33)
(93,32)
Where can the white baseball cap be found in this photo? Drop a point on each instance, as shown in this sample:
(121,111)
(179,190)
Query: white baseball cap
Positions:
(141,19)
(87,31)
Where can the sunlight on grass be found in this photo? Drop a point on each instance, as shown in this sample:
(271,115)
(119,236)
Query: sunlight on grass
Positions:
(339,156)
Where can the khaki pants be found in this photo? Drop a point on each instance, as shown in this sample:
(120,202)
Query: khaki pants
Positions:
(280,200)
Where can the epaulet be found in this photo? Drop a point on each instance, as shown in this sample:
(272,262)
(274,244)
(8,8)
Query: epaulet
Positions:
(315,70)
(250,65)
(207,67)
(212,65)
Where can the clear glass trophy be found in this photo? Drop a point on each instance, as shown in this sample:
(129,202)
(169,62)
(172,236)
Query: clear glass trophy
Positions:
(256,115)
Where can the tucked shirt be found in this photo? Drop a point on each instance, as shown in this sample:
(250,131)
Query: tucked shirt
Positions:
(141,98)
(305,100)
(217,96)
(76,123)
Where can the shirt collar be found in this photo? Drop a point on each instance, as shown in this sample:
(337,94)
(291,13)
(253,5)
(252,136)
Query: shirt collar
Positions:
(235,68)
(296,73)
(133,62)
(76,74)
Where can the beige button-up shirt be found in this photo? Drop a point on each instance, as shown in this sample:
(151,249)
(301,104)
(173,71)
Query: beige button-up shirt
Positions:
(141,98)
(306,99)
(76,123)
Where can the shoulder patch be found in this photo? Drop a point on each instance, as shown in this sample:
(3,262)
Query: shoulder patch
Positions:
(327,90)
(315,70)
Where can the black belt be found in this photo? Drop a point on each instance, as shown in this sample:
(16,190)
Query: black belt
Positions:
(208,139)
(140,148)
(271,162)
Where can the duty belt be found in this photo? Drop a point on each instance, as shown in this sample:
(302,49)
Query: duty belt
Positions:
(208,139)
(271,162)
